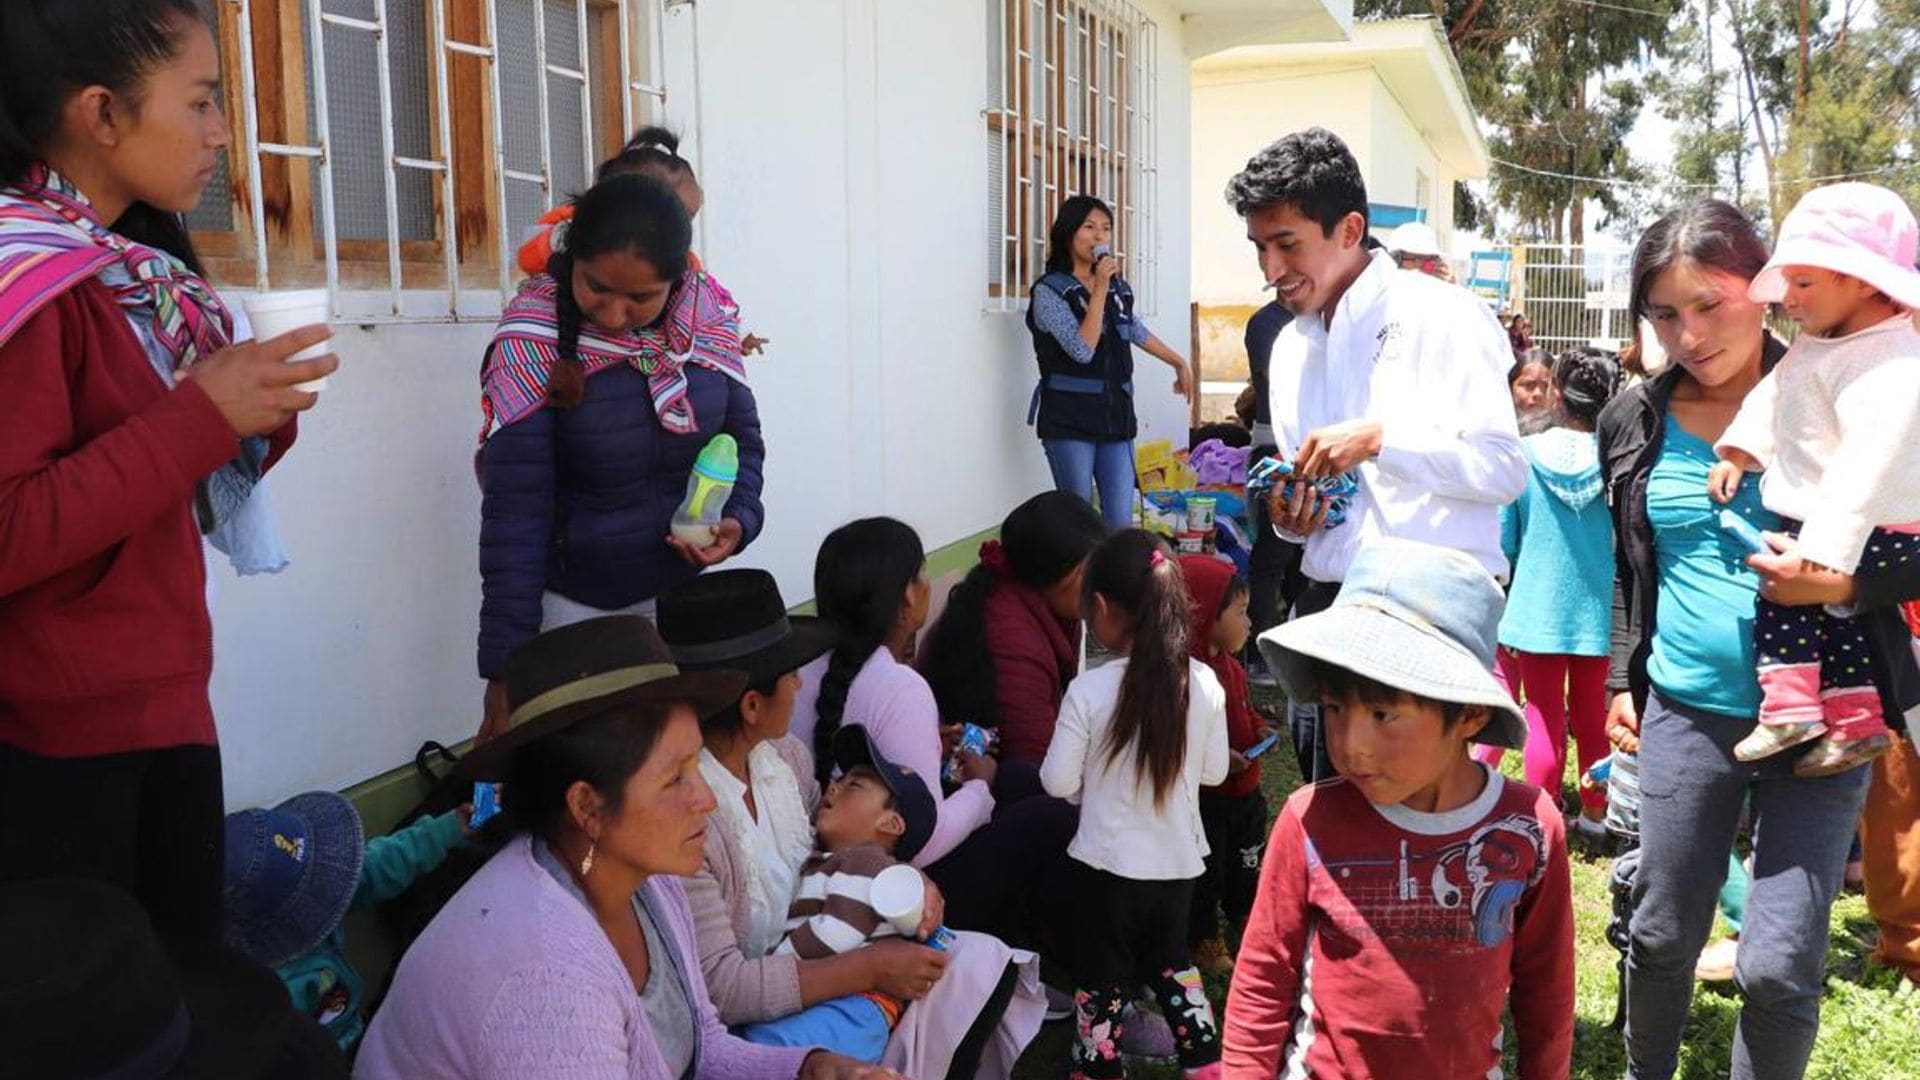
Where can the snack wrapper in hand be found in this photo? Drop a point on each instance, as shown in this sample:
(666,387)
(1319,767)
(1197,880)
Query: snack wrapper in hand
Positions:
(974,739)
(1337,490)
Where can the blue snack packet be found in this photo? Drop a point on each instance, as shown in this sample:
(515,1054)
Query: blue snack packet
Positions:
(1338,490)
(486,804)
(941,938)
(974,739)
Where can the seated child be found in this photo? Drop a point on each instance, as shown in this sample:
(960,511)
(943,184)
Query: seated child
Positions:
(1409,900)
(875,816)
(1233,812)
(293,873)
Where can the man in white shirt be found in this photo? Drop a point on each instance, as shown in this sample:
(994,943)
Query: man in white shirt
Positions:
(1394,376)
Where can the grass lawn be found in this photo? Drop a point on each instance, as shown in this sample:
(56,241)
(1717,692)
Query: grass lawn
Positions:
(1870,1020)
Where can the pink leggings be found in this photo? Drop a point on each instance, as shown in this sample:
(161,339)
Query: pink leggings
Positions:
(1553,687)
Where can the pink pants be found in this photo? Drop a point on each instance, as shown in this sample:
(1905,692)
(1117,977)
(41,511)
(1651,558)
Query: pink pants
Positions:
(1556,688)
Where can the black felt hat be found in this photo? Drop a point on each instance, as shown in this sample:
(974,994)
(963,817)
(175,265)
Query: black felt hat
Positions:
(736,619)
(88,991)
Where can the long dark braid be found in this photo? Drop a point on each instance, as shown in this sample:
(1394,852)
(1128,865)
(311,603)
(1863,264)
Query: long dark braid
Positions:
(860,581)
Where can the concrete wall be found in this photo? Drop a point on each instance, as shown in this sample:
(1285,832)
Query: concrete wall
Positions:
(1235,115)
(842,148)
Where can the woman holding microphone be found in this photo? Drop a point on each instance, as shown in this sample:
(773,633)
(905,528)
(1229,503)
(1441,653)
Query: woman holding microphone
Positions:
(1084,331)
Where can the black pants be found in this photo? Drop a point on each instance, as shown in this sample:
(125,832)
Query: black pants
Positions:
(1303,717)
(1130,934)
(1008,878)
(149,821)
(1274,577)
(1236,828)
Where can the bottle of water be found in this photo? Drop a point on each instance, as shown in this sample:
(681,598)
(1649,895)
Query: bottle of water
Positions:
(709,486)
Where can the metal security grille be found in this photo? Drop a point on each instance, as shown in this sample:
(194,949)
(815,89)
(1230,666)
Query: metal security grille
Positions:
(382,126)
(1072,86)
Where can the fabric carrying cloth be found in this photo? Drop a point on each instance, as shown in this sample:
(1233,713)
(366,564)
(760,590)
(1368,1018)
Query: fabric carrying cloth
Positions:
(701,326)
(50,240)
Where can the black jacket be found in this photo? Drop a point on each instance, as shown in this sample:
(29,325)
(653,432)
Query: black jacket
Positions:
(1631,431)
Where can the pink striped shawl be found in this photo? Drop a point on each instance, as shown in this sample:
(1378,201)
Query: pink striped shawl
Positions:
(702,327)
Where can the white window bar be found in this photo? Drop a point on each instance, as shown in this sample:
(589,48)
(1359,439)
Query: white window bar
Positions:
(653,93)
(1075,90)
(319,148)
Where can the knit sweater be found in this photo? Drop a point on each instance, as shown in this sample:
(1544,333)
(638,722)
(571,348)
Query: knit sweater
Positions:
(105,641)
(515,979)
(897,707)
(1837,427)
(1560,540)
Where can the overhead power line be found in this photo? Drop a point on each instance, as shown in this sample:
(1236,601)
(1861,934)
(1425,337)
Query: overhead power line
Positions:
(1608,181)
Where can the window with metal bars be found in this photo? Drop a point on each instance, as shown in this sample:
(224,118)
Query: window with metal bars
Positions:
(407,146)
(1072,85)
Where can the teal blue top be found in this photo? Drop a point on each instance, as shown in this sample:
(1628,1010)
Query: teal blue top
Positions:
(323,983)
(1559,540)
(1702,650)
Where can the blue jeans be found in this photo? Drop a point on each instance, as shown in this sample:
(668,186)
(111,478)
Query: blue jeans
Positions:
(1078,466)
(853,1025)
(1691,791)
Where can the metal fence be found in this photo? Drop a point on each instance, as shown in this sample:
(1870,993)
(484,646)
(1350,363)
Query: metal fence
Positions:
(561,51)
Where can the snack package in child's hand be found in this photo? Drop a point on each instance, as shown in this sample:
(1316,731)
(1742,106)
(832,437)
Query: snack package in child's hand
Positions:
(974,739)
(486,804)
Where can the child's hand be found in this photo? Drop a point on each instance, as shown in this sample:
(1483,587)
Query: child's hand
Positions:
(753,344)
(1723,481)
(933,909)
(466,820)
(950,737)
(1237,763)
(971,766)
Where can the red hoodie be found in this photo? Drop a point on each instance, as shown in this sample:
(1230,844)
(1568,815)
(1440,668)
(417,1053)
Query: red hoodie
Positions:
(1207,582)
(105,642)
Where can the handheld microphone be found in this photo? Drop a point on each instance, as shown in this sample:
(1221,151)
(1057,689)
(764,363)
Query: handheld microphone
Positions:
(1101,251)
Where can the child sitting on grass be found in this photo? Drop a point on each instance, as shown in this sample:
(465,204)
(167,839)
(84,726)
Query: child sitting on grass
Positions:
(876,816)
(1406,902)
(293,873)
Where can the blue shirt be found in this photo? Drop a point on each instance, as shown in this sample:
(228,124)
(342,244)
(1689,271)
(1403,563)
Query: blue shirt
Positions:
(1702,651)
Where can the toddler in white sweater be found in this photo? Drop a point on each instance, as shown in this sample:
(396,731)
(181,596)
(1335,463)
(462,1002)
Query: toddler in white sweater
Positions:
(1836,426)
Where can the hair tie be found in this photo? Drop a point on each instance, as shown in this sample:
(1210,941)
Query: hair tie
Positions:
(993,556)
(1156,560)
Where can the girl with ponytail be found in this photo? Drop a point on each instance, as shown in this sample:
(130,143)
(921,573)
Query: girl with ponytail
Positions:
(1137,740)
(870,582)
(606,378)
(1556,633)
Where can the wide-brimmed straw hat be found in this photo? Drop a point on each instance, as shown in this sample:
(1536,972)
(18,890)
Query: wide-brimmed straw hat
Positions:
(736,619)
(585,669)
(1860,230)
(1413,616)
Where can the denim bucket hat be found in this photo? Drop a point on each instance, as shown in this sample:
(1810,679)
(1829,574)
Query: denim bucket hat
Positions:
(291,873)
(1413,616)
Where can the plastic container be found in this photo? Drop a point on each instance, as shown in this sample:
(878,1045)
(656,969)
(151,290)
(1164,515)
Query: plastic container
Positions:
(1200,513)
(709,486)
(275,313)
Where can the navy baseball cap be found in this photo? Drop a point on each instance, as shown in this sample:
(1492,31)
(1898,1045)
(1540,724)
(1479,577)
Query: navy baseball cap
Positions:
(853,746)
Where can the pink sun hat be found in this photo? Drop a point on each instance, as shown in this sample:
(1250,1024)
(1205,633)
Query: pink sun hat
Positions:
(1861,230)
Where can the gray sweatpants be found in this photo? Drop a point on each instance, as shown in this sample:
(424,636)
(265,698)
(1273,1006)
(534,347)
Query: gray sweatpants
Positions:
(1691,791)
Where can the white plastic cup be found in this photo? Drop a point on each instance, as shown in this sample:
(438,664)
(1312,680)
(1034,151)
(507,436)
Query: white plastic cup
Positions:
(275,313)
(899,896)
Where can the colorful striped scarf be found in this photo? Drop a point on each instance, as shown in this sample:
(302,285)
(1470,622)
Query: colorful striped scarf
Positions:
(702,326)
(51,240)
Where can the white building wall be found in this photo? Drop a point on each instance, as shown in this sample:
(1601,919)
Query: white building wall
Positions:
(1397,154)
(842,148)
(1235,115)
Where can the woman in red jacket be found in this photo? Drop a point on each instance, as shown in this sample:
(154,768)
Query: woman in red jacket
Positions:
(133,427)
(1008,643)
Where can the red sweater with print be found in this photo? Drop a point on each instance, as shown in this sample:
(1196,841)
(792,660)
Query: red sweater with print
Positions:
(105,641)
(1385,943)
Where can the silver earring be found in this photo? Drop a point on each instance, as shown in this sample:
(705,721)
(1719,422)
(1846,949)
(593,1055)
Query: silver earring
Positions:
(586,864)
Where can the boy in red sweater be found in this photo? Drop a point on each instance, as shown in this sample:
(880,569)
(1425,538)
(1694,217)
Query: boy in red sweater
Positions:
(1409,900)
(1233,812)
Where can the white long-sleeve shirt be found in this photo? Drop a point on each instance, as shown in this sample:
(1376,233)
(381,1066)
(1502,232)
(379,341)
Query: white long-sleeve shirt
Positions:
(1121,830)
(1836,425)
(1428,361)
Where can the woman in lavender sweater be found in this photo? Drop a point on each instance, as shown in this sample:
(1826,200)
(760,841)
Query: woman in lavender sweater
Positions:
(570,955)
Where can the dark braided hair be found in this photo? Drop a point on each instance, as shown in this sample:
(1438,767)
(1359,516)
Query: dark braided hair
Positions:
(1587,379)
(860,580)
(1043,540)
(652,149)
(1138,577)
(631,212)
